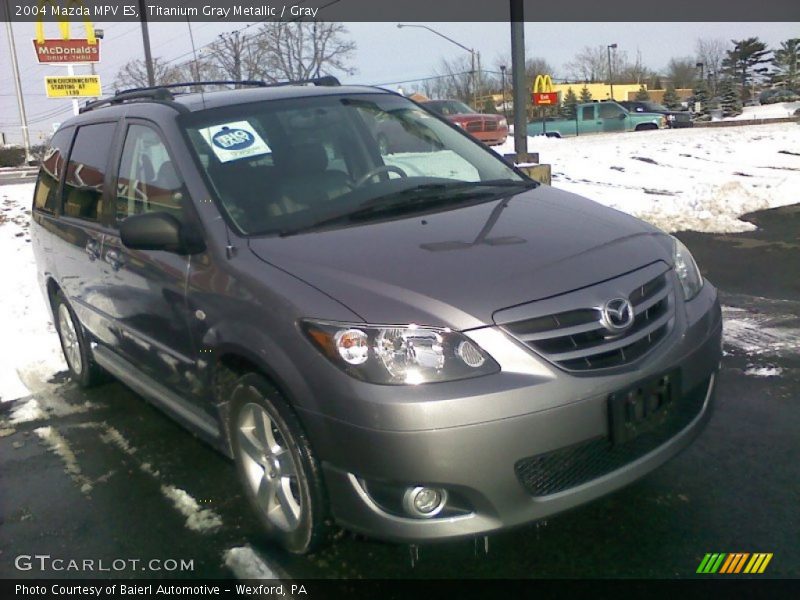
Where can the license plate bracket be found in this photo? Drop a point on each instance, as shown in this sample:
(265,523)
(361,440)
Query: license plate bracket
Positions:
(642,407)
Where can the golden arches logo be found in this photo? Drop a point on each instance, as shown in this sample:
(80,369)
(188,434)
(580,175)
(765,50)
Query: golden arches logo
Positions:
(63,22)
(542,84)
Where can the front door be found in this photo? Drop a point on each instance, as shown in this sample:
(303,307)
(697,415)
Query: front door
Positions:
(147,289)
(613,117)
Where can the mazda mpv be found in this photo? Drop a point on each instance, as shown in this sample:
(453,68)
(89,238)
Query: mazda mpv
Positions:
(416,345)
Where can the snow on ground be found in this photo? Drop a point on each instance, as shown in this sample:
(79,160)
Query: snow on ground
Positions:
(756,371)
(767,111)
(29,339)
(203,520)
(247,564)
(757,334)
(701,179)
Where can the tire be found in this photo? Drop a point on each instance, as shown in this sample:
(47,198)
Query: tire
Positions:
(646,127)
(77,352)
(277,468)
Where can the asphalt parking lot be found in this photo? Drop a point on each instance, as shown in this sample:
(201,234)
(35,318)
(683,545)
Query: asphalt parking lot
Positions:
(99,480)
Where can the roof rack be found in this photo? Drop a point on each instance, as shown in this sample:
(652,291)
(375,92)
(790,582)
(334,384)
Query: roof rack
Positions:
(162,93)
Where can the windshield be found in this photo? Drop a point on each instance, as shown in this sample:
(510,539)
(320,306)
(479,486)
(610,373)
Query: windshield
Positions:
(286,165)
(449,107)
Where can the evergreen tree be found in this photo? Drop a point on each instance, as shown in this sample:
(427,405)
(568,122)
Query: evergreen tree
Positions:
(569,107)
(745,62)
(701,95)
(671,99)
(586,95)
(642,94)
(786,62)
(731,101)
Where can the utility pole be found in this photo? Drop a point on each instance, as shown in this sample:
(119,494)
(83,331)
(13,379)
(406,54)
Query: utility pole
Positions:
(148,57)
(26,142)
(503,77)
(610,71)
(518,79)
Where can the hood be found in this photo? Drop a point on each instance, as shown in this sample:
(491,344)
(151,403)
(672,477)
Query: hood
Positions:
(457,267)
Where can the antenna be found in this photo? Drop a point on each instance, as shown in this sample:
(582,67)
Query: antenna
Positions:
(194,53)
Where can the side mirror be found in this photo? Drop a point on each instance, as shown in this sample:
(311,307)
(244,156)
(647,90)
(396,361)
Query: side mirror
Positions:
(622,115)
(158,231)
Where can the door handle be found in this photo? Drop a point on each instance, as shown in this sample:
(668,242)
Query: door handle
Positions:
(113,259)
(93,249)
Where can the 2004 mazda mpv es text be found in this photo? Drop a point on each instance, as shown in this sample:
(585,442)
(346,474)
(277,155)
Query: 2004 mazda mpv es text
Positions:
(420,344)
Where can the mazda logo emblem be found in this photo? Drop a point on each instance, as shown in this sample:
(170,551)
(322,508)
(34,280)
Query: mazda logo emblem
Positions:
(617,314)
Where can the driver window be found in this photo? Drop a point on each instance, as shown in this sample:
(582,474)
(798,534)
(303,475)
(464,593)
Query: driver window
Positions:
(609,111)
(148,180)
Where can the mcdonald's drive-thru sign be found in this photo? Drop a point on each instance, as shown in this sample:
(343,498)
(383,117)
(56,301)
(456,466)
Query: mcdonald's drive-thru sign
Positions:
(543,94)
(66,50)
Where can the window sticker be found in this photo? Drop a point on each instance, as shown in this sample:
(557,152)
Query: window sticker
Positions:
(232,141)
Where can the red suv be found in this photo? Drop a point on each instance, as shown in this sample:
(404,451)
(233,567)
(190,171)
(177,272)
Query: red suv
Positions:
(490,129)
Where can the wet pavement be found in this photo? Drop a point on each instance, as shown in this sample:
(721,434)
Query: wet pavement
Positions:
(103,478)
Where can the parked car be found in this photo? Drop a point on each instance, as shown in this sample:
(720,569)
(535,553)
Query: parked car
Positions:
(415,346)
(490,129)
(675,118)
(597,117)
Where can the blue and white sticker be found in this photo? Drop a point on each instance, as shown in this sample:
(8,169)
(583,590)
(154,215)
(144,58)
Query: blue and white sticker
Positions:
(235,140)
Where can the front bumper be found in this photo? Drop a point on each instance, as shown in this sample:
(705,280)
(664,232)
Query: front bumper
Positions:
(478,461)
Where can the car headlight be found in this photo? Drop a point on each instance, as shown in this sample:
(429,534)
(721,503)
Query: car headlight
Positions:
(686,269)
(670,117)
(502,123)
(399,355)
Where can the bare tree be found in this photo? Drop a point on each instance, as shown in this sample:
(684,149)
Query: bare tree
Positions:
(303,50)
(134,74)
(237,56)
(711,52)
(682,72)
(454,79)
(633,72)
(589,65)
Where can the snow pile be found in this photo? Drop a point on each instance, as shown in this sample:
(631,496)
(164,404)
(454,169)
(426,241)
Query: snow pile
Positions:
(678,179)
(203,520)
(29,338)
(767,111)
(247,564)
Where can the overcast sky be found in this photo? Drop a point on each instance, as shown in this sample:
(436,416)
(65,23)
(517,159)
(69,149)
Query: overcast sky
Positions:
(384,52)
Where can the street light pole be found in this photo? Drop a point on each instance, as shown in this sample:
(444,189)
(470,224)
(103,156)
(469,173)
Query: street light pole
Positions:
(503,78)
(462,46)
(610,72)
(18,86)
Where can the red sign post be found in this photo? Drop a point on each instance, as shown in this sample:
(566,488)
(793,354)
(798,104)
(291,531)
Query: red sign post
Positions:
(64,52)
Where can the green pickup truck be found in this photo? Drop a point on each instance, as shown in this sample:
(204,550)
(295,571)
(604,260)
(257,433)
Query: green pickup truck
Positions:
(597,117)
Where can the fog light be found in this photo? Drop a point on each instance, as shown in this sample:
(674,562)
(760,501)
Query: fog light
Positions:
(424,502)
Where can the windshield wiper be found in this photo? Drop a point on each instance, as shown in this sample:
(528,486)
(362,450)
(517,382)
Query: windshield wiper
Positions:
(414,197)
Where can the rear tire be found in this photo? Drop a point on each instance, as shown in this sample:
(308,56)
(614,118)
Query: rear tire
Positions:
(77,352)
(277,468)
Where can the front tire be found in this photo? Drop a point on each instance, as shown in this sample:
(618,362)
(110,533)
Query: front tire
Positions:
(74,344)
(278,470)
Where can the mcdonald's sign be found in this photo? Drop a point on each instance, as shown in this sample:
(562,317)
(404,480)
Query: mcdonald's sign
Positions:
(543,94)
(65,50)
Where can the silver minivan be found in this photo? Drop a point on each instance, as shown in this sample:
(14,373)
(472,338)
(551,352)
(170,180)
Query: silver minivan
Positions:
(412,340)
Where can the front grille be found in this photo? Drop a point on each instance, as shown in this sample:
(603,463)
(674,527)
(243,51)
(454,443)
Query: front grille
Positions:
(566,468)
(577,340)
(474,126)
(490,125)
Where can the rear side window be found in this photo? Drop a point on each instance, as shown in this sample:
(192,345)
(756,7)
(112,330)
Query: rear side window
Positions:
(588,113)
(45,198)
(83,186)
(148,180)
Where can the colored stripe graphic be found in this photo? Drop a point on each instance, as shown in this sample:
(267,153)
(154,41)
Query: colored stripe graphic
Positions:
(734,563)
